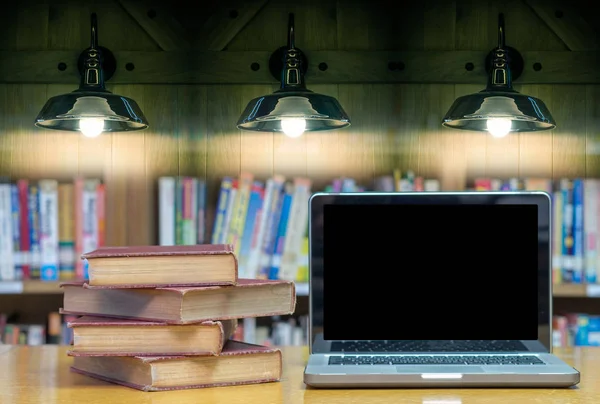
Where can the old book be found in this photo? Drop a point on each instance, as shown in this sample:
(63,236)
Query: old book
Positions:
(149,266)
(100,336)
(183,305)
(239,363)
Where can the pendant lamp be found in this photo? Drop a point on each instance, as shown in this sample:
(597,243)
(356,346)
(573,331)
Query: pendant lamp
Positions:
(499,109)
(91,109)
(293,109)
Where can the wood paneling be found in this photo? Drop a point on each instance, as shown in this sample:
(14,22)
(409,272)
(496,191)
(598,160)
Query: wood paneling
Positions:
(192,126)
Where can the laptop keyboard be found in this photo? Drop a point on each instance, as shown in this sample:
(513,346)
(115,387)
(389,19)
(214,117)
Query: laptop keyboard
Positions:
(427,346)
(436,360)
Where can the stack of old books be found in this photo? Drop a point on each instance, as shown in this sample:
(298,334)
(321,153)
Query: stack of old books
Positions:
(161,318)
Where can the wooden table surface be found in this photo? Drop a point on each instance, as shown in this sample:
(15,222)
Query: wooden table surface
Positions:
(41,375)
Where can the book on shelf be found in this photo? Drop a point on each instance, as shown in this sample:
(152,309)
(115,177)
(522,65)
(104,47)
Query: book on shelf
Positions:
(238,363)
(188,265)
(575,229)
(182,211)
(45,225)
(155,337)
(100,336)
(575,329)
(54,331)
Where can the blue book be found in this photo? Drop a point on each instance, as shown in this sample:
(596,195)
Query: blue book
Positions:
(567,230)
(578,237)
(280,237)
(222,203)
(16,231)
(34,231)
(254,206)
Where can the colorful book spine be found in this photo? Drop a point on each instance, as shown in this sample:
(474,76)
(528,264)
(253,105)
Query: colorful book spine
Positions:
(253,214)
(201,232)
(66,231)
(557,237)
(590,227)
(166,209)
(296,229)
(7,270)
(79,225)
(567,232)
(90,218)
(179,210)
(240,210)
(49,230)
(34,231)
(226,185)
(578,240)
(280,234)
(188,213)
(16,231)
(262,220)
(268,242)
(101,211)
(23,186)
(229,212)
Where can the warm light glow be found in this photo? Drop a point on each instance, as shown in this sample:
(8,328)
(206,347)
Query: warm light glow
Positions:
(293,127)
(91,127)
(498,127)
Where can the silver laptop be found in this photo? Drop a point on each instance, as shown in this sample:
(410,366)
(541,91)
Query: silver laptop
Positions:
(432,290)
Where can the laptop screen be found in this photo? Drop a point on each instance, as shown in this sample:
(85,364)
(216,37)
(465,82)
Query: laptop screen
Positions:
(445,269)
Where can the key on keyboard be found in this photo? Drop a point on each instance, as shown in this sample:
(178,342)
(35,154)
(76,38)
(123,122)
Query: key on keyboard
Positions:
(436,360)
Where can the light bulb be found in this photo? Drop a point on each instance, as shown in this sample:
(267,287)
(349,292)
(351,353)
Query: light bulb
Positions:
(293,127)
(91,127)
(498,127)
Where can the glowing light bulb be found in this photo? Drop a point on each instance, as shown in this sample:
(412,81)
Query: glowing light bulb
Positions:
(293,127)
(498,127)
(91,127)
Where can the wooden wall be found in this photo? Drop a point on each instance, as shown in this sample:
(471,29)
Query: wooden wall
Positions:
(193,126)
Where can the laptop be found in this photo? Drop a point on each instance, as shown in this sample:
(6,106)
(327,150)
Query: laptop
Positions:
(432,289)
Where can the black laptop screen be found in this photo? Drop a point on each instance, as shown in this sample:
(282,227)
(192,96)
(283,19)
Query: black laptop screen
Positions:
(430,272)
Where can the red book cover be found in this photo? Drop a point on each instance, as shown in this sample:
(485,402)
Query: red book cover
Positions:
(79,269)
(210,363)
(23,187)
(101,211)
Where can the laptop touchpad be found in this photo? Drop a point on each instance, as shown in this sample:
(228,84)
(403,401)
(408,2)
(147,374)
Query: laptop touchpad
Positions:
(439,369)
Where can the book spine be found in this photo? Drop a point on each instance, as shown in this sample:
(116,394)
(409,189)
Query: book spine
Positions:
(166,208)
(567,224)
(578,241)
(7,270)
(254,206)
(240,211)
(201,233)
(256,248)
(557,237)
(193,232)
(179,211)
(90,218)
(226,229)
(79,218)
(66,231)
(101,209)
(23,186)
(590,228)
(188,236)
(49,229)
(270,230)
(16,231)
(296,228)
(34,230)
(282,228)
(226,185)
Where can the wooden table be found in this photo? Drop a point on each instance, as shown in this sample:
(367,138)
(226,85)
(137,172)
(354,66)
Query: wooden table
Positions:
(41,375)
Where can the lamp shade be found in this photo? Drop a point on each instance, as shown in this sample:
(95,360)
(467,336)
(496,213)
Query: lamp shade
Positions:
(321,112)
(63,112)
(526,113)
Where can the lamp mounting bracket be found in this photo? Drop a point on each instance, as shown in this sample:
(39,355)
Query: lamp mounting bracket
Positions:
(277,59)
(517,64)
(109,62)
